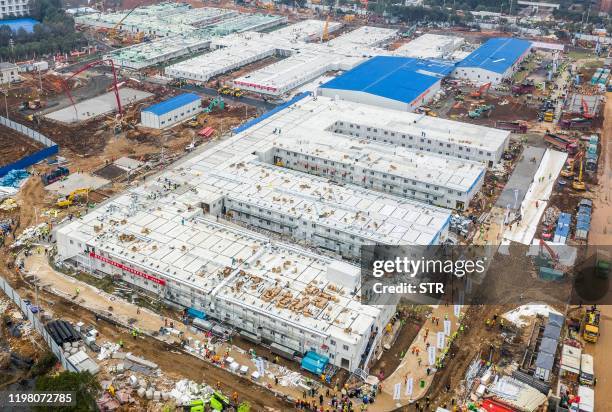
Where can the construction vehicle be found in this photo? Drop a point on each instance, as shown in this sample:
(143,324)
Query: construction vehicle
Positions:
(86,67)
(513,126)
(576,123)
(75,195)
(568,170)
(525,87)
(54,175)
(585,110)
(325,33)
(482,90)
(226,91)
(562,143)
(112,33)
(549,116)
(591,325)
(587,373)
(216,102)
(578,183)
(236,92)
(480,110)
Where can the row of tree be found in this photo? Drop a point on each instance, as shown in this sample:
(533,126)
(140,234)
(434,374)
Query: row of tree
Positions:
(54,34)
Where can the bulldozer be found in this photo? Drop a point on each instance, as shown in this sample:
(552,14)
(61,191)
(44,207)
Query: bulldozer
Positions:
(75,195)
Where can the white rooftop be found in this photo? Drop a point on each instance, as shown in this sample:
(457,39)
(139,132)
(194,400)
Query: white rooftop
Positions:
(431,46)
(426,167)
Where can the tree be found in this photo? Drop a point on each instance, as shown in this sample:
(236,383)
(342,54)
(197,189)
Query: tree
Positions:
(83,384)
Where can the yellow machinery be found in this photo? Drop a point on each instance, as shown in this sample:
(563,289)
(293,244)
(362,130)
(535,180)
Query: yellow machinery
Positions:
(568,170)
(112,34)
(549,116)
(72,197)
(591,325)
(578,184)
(236,92)
(325,35)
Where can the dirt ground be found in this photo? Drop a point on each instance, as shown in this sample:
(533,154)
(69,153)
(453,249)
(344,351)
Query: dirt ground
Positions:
(601,234)
(391,359)
(172,362)
(14,146)
(505,108)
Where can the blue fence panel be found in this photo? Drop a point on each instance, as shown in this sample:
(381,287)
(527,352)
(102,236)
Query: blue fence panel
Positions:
(30,160)
(272,112)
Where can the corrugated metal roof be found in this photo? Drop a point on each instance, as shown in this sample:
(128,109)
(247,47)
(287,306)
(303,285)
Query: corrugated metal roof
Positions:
(496,54)
(172,104)
(397,78)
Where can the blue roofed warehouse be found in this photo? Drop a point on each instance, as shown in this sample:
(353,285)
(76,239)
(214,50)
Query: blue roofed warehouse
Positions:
(171,111)
(401,83)
(495,60)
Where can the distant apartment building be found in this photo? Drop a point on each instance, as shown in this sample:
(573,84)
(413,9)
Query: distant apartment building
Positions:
(9,73)
(14,8)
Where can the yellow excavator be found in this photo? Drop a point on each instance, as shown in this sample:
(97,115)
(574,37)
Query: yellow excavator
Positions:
(578,183)
(568,170)
(79,194)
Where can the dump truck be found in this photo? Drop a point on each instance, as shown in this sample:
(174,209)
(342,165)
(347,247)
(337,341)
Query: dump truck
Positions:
(513,126)
(523,88)
(562,143)
(576,123)
(54,175)
(591,325)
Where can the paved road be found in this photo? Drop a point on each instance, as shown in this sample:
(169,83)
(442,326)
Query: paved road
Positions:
(209,91)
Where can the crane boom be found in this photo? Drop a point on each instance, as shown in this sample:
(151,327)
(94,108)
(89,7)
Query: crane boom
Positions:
(86,67)
(113,31)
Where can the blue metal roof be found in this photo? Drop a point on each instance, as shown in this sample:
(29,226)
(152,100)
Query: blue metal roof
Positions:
(496,54)
(397,78)
(172,104)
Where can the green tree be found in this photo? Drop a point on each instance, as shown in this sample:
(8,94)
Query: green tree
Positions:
(83,384)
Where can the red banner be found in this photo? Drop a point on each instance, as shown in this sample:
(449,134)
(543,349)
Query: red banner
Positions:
(128,269)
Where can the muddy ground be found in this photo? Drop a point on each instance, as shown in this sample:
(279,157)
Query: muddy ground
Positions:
(14,146)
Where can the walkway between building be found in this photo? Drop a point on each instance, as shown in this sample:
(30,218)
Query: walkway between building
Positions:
(536,198)
(415,373)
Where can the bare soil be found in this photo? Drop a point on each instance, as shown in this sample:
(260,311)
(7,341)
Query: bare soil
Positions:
(14,146)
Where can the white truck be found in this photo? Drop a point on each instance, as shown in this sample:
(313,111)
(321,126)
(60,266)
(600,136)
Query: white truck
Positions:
(587,374)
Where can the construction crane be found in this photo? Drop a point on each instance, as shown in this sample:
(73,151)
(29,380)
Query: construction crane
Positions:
(86,67)
(482,90)
(568,171)
(578,183)
(325,34)
(113,32)
(585,110)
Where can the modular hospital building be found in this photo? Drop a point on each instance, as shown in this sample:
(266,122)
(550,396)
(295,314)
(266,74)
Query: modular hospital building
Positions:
(246,233)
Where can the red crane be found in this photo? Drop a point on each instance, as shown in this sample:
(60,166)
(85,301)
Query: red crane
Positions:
(585,110)
(551,252)
(89,66)
(482,90)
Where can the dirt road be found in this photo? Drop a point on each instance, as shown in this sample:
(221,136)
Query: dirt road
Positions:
(170,360)
(601,234)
